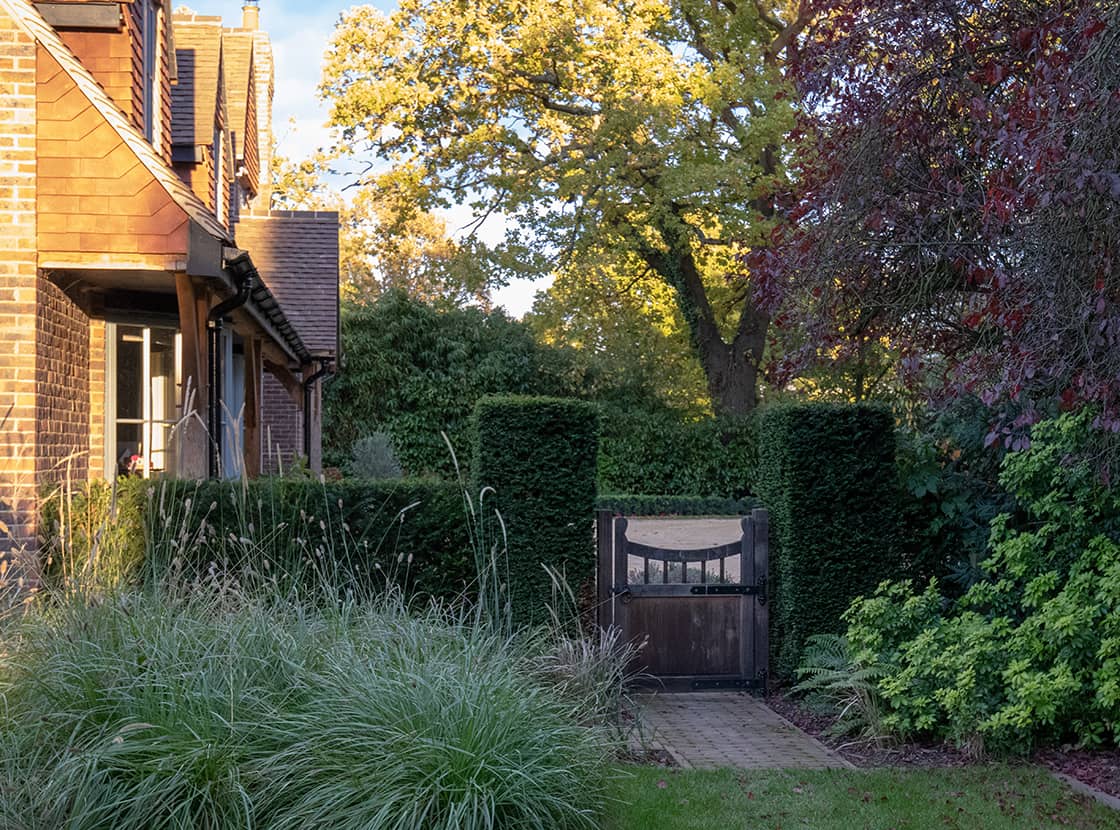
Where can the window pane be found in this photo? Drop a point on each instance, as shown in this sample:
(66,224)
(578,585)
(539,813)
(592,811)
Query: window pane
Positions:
(130,449)
(164,393)
(130,372)
(162,456)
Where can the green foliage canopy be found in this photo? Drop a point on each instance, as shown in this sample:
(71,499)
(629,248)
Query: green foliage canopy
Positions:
(635,133)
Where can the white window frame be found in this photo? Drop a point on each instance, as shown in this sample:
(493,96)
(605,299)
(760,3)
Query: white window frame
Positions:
(147,420)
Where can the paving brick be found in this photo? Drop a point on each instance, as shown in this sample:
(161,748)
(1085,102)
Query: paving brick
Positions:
(707,730)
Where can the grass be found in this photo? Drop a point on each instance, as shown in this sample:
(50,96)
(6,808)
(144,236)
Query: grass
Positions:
(989,797)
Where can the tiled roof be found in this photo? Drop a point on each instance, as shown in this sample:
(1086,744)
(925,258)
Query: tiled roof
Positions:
(23,12)
(198,92)
(296,253)
(237,51)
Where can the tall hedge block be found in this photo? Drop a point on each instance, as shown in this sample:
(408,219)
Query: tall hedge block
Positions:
(827,474)
(539,455)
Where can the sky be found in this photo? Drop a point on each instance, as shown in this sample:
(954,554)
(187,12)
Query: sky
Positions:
(300,30)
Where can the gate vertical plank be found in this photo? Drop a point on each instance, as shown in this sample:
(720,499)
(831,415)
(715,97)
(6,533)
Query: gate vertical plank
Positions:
(746,604)
(761,622)
(621,576)
(604,573)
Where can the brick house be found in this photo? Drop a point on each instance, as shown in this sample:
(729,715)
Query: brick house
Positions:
(156,318)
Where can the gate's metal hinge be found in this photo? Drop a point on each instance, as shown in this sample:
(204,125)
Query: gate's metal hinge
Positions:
(758,590)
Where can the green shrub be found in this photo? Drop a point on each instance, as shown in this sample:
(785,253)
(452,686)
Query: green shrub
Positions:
(658,452)
(832,679)
(220,710)
(415,370)
(950,493)
(1031,653)
(627,504)
(410,531)
(373,457)
(538,454)
(827,474)
(97,528)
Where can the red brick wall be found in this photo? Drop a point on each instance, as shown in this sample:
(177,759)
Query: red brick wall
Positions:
(281,427)
(17,287)
(62,386)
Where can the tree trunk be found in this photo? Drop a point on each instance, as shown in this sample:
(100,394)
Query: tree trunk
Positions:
(731,369)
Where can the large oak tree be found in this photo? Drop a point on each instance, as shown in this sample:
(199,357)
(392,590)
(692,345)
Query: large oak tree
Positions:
(639,135)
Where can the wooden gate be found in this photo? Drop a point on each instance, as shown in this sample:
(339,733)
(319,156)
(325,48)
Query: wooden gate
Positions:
(701,614)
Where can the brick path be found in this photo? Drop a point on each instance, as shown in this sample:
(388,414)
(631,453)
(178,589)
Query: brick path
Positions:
(729,729)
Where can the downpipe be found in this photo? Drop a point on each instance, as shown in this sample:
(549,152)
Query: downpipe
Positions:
(215,321)
(324,369)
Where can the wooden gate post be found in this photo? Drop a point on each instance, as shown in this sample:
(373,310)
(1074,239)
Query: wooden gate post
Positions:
(604,568)
(761,604)
(621,566)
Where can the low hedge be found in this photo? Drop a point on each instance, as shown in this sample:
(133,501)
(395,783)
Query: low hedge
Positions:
(646,452)
(409,531)
(627,504)
(539,455)
(827,475)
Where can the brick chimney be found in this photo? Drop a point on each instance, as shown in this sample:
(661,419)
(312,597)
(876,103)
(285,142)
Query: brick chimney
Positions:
(251,15)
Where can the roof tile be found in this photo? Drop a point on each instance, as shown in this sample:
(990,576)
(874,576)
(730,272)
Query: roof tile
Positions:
(296,253)
(197,94)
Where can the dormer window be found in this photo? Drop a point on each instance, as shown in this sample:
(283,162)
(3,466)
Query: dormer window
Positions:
(150,22)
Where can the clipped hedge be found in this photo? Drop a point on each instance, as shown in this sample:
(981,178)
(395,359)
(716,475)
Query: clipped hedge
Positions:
(827,474)
(648,452)
(539,455)
(409,531)
(636,504)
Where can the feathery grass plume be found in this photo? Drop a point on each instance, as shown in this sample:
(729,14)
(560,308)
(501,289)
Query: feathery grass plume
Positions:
(489,544)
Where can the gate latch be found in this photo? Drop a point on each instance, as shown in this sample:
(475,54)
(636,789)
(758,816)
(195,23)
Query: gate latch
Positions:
(624,594)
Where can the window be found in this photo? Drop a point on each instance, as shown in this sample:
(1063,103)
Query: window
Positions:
(142,400)
(150,24)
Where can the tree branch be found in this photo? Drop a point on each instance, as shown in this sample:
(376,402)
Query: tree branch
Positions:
(790,32)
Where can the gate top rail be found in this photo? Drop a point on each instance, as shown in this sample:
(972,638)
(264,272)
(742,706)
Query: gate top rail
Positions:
(707,554)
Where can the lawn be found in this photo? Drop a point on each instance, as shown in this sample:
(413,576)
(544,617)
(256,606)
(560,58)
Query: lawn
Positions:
(973,798)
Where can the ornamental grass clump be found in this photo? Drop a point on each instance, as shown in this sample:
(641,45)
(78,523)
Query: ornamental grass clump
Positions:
(267,691)
(143,709)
